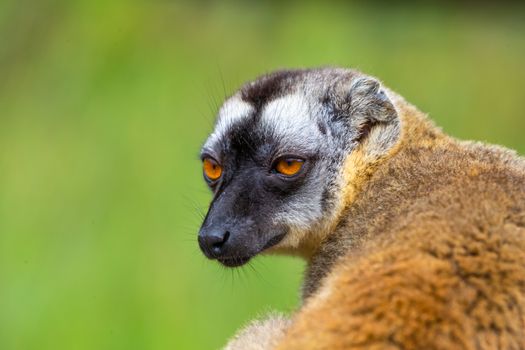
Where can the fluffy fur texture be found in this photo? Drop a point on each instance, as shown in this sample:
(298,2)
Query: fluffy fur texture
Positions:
(421,242)
(430,255)
(261,334)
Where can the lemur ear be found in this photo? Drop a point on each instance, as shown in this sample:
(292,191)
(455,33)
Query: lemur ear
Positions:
(368,101)
(373,117)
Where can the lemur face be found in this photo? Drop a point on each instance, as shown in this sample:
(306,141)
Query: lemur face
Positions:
(274,161)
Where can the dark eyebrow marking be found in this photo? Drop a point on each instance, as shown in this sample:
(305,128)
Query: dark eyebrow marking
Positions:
(321,127)
(269,87)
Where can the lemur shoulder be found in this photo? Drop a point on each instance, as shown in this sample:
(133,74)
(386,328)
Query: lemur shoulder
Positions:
(413,239)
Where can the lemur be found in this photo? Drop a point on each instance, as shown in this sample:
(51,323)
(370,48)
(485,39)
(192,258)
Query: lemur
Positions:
(413,239)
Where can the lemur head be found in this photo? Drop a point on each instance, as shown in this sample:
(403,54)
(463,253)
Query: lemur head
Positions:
(280,158)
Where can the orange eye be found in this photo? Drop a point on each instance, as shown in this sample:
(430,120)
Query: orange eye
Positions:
(289,166)
(212,170)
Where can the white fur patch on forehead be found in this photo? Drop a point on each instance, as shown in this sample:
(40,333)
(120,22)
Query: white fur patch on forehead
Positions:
(289,116)
(233,110)
(286,110)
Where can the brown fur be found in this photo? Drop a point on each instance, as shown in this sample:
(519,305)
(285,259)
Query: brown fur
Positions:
(429,252)
(426,251)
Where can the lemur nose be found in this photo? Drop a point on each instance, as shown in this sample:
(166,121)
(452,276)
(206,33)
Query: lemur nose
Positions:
(212,242)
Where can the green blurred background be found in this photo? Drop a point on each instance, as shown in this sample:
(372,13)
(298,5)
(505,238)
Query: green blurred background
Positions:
(103,108)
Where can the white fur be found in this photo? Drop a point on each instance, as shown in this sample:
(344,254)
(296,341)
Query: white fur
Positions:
(233,110)
(290,117)
(262,334)
(287,111)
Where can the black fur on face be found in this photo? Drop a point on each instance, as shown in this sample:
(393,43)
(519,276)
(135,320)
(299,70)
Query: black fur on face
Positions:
(249,193)
(315,116)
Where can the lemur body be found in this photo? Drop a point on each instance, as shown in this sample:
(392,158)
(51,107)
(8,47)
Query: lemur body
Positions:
(414,240)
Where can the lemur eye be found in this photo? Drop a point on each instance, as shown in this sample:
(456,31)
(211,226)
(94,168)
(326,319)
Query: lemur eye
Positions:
(289,166)
(212,170)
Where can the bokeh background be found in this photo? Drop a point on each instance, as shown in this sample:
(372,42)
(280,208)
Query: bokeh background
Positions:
(103,108)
